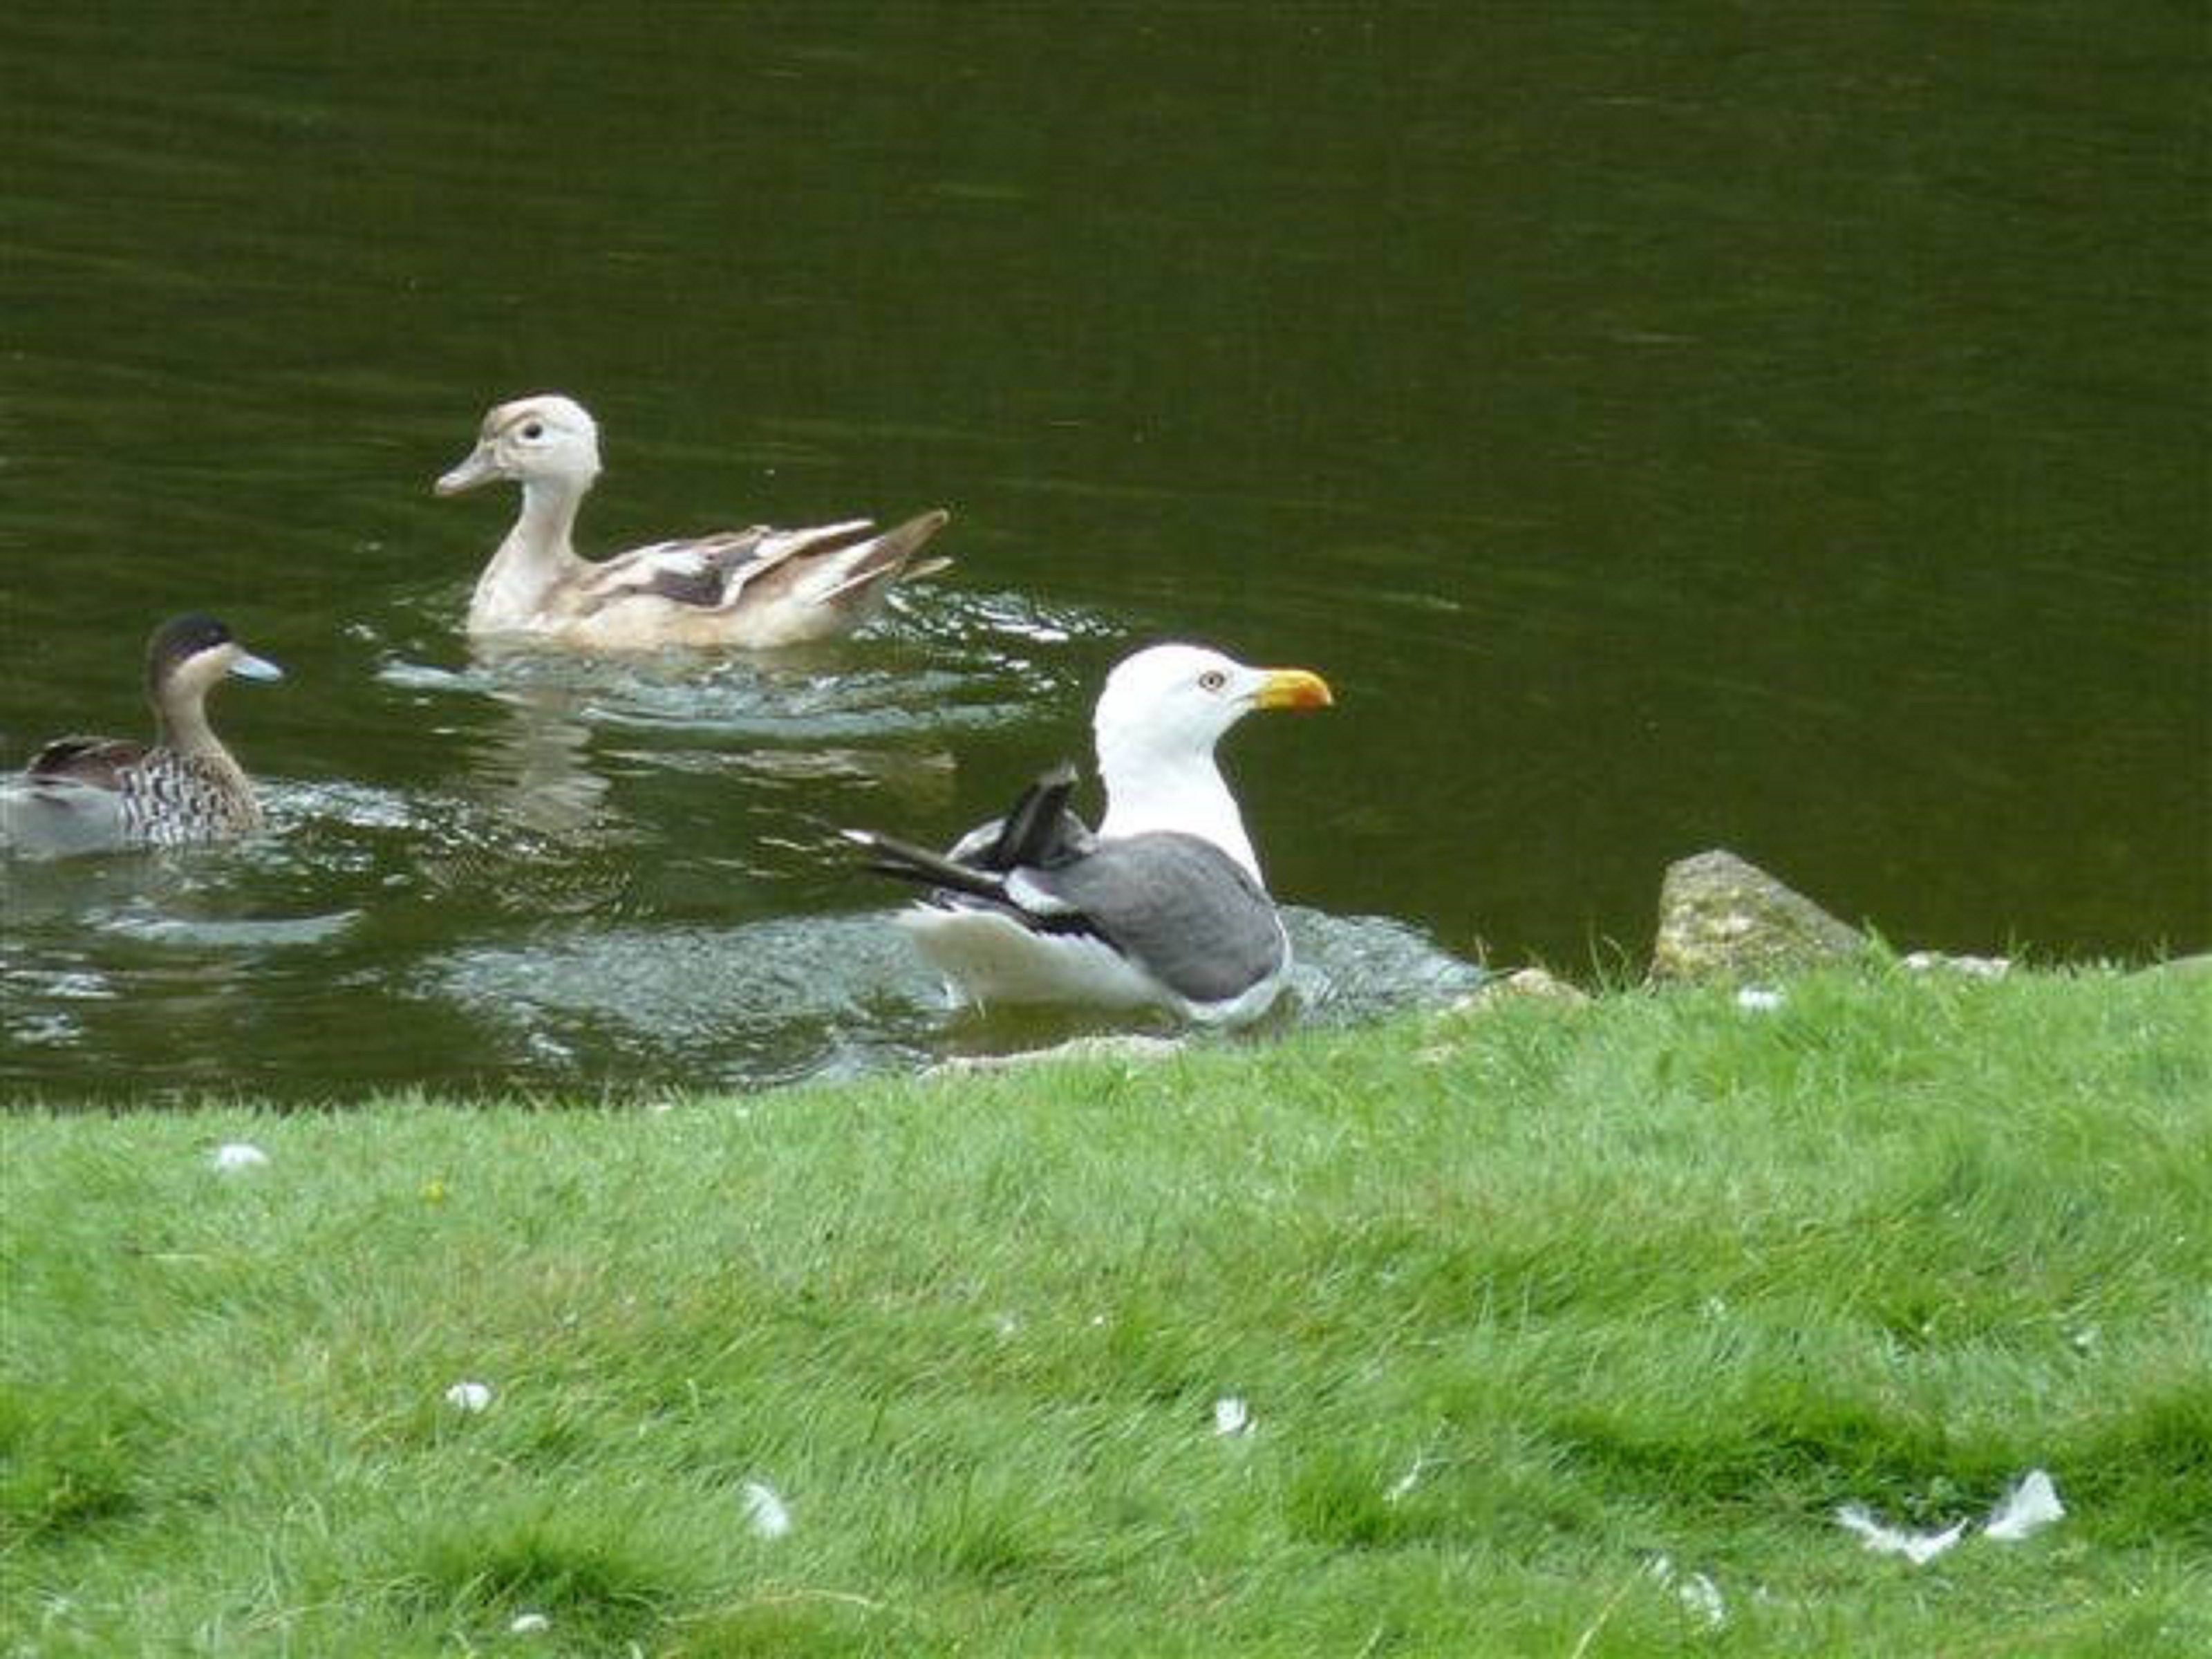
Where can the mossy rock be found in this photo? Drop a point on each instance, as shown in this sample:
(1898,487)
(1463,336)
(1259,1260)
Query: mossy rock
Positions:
(1723,918)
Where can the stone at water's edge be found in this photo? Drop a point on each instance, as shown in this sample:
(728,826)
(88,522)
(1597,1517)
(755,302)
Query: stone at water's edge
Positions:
(1131,1047)
(1453,1022)
(1723,918)
(1522,983)
(1929,961)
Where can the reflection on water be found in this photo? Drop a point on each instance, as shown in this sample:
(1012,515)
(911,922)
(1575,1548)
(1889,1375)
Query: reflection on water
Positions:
(533,767)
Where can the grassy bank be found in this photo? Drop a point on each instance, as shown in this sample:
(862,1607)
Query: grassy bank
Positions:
(1517,1306)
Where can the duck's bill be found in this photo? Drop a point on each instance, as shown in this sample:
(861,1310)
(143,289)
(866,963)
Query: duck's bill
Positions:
(248,666)
(1292,688)
(479,468)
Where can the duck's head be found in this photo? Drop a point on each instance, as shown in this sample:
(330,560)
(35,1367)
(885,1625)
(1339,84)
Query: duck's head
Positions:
(1178,699)
(187,655)
(547,438)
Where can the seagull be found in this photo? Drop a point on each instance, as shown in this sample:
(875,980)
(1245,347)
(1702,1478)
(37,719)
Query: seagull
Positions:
(1162,905)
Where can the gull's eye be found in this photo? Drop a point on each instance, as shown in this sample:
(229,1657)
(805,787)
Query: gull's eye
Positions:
(535,429)
(1213,680)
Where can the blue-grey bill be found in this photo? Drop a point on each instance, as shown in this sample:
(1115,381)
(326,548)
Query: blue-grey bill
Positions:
(479,468)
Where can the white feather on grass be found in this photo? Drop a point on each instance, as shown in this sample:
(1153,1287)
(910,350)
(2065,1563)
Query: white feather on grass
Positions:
(469,1397)
(2027,1508)
(1395,1493)
(1696,1592)
(764,1511)
(1918,1548)
(2030,1506)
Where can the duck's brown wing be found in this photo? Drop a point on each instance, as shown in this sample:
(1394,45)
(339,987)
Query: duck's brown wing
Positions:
(98,761)
(815,566)
(701,571)
(839,566)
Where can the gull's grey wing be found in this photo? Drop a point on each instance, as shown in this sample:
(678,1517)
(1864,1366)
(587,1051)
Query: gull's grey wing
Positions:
(1176,904)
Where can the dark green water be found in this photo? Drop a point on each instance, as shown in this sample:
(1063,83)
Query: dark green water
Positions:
(1776,427)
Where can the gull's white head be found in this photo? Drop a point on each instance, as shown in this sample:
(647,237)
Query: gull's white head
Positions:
(1179,699)
(546,439)
(1157,720)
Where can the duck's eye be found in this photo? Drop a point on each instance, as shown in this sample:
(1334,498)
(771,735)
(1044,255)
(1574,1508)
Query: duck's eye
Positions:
(535,429)
(1213,680)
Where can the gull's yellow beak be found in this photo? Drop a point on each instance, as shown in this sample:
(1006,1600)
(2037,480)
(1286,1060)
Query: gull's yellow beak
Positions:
(1292,688)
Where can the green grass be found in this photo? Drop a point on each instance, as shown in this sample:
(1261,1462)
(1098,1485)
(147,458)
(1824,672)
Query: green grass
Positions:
(1655,1276)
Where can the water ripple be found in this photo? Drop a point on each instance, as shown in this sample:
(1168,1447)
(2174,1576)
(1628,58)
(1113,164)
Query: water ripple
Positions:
(833,995)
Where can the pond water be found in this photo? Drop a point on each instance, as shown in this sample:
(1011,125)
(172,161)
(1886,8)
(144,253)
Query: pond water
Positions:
(1776,428)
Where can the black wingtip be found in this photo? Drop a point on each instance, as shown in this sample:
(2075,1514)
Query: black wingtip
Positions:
(1039,830)
(904,861)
